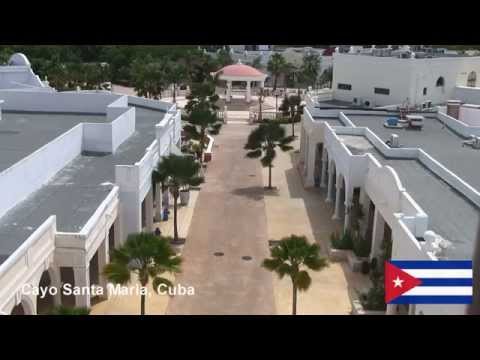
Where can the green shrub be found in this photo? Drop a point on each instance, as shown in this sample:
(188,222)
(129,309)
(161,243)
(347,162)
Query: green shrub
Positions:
(361,247)
(342,243)
(374,299)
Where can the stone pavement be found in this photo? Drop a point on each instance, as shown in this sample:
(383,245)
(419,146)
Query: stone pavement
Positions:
(229,219)
(292,209)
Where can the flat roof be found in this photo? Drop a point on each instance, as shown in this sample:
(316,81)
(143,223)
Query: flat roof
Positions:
(436,139)
(78,189)
(437,198)
(22,133)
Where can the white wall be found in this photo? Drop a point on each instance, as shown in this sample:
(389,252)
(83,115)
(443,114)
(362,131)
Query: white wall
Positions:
(107,137)
(26,265)
(470,95)
(57,101)
(470,115)
(154,104)
(405,78)
(30,173)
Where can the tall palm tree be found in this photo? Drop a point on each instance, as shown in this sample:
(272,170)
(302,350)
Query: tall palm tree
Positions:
(276,66)
(262,142)
(294,102)
(290,257)
(148,256)
(178,172)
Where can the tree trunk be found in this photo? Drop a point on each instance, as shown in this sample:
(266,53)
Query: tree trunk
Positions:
(275,82)
(174,91)
(202,144)
(175,229)
(260,107)
(293,125)
(294,300)
(142,304)
(269,176)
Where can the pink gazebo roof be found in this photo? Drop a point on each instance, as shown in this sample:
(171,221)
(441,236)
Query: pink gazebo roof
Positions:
(240,70)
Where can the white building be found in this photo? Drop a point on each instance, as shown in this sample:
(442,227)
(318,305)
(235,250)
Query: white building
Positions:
(75,180)
(421,194)
(380,77)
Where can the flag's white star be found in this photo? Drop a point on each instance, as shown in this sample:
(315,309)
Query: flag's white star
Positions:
(398,282)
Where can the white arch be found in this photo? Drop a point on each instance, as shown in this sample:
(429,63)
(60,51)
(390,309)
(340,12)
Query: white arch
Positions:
(19,59)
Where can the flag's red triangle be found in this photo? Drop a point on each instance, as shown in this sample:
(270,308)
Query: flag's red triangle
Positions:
(397,282)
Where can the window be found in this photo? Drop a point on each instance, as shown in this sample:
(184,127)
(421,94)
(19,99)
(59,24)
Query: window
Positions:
(344,86)
(382,91)
(424,91)
(440,81)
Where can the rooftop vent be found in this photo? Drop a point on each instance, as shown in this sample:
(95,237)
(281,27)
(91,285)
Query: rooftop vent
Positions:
(393,142)
(474,142)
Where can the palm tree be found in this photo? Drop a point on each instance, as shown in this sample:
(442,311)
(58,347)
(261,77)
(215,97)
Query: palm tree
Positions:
(148,256)
(262,142)
(294,102)
(276,66)
(290,257)
(178,172)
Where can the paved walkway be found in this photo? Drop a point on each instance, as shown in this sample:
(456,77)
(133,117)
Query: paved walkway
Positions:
(229,218)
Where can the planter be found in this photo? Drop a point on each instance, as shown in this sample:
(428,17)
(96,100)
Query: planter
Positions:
(355,262)
(357,309)
(184,197)
(338,255)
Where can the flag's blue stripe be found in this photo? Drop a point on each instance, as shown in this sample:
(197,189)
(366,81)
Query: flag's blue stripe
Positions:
(442,264)
(432,300)
(447,282)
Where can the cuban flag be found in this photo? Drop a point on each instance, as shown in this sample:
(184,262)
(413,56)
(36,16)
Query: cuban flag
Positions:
(428,282)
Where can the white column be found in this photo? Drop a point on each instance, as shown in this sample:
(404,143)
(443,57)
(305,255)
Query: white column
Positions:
(377,233)
(248,95)
(103,260)
(158,202)
(330,184)
(310,148)
(336,214)
(149,210)
(82,278)
(262,84)
(229,91)
(56,282)
(323,176)
(348,205)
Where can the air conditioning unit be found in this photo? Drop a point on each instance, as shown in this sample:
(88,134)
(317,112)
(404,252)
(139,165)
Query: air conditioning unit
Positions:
(394,141)
(367,103)
(355,101)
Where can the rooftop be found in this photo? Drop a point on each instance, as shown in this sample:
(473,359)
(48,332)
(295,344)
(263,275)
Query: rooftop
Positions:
(437,198)
(22,133)
(65,195)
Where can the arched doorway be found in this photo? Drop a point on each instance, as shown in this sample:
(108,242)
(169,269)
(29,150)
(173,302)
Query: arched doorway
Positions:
(472,79)
(440,82)
(317,173)
(45,303)
(18,310)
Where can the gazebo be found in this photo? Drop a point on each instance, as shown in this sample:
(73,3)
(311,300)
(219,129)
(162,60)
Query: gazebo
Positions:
(243,73)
